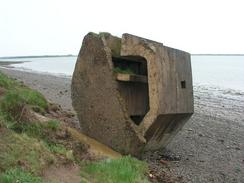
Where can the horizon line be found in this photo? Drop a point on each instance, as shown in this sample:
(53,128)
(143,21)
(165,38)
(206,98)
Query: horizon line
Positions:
(72,55)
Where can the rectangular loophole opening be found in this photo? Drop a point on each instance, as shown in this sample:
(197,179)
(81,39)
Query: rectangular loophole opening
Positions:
(183,84)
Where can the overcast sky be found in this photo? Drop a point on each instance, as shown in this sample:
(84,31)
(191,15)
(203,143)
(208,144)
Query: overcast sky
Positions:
(37,27)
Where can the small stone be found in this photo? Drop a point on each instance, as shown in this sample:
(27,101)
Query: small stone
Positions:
(177,158)
(180,177)
(200,135)
(163,162)
(238,148)
(220,140)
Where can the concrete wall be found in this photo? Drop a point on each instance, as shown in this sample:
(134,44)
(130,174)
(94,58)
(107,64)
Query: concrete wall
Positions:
(163,95)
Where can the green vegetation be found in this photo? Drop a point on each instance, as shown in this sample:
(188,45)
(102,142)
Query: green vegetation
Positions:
(44,132)
(28,146)
(123,170)
(14,101)
(22,150)
(12,105)
(17,97)
(7,83)
(101,34)
(123,71)
(18,175)
(25,145)
(32,97)
(60,149)
(53,124)
(114,44)
(104,34)
(34,129)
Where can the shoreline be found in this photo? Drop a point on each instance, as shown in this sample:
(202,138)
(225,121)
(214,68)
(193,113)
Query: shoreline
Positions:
(55,88)
(7,63)
(10,65)
(214,87)
(209,148)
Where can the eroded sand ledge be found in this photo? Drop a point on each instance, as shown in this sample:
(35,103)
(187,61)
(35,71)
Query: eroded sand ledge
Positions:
(210,146)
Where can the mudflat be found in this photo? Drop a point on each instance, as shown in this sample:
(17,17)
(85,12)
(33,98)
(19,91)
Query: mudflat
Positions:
(209,148)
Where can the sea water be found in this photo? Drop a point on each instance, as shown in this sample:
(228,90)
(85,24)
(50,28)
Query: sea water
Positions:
(49,65)
(225,73)
(220,71)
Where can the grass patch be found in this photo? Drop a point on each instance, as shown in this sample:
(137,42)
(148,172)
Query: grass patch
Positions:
(41,131)
(18,175)
(33,147)
(27,147)
(12,105)
(32,129)
(33,97)
(36,130)
(21,150)
(2,121)
(104,34)
(53,124)
(125,169)
(114,44)
(123,71)
(17,96)
(7,82)
(57,148)
(61,150)
(44,132)
(13,102)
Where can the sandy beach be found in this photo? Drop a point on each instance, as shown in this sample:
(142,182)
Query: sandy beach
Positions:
(210,147)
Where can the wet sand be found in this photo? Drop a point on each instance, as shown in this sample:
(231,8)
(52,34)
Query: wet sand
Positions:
(9,64)
(210,147)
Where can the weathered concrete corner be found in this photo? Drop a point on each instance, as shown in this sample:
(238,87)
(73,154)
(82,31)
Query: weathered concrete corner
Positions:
(131,93)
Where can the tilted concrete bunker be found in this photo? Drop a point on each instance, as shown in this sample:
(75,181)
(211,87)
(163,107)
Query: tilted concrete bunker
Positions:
(131,93)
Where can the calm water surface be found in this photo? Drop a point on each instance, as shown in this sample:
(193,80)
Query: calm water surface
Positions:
(216,72)
(222,71)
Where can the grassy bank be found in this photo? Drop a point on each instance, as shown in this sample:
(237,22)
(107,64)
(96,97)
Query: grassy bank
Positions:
(31,143)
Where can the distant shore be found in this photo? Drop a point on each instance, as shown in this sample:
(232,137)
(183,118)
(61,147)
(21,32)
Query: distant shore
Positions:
(208,149)
(37,56)
(209,54)
(5,63)
(71,55)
